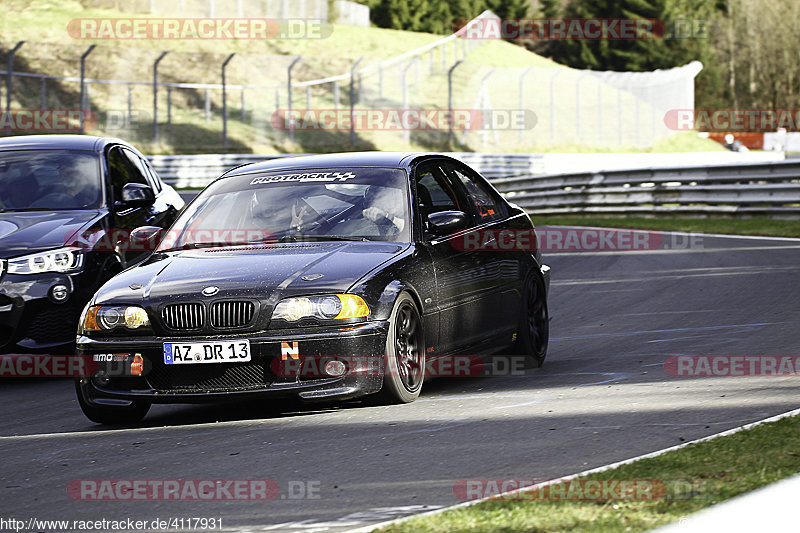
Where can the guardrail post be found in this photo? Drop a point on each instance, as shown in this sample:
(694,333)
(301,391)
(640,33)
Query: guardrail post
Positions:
(450,101)
(83,81)
(225,104)
(289,96)
(353,99)
(9,71)
(521,104)
(155,95)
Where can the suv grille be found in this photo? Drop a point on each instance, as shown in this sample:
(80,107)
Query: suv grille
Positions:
(184,316)
(231,314)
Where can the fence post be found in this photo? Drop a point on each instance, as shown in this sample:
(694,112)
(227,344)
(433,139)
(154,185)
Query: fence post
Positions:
(405,90)
(578,106)
(9,70)
(336,95)
(289,96)
(553,105)
(243,114)
(83,80)
(522,96)
(43,94)
(450,101)
(207,106)
(225,104)
(155,95)
(169,104)
(353,99)
(130,103)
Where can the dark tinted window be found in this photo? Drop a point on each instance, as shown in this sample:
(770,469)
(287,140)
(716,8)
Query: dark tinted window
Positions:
(122,171)
(49,180)
(484,204)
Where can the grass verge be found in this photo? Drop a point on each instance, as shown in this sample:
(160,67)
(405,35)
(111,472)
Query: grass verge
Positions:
(747,226)
(695,477)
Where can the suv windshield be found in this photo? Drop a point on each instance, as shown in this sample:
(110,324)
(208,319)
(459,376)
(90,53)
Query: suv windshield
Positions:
(49,180)
(301,205)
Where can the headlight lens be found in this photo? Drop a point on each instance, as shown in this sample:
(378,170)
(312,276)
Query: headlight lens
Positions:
(61,260)
(108,317)
(328,307)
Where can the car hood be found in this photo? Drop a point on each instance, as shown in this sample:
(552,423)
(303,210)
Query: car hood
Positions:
(23,232)
(267,272)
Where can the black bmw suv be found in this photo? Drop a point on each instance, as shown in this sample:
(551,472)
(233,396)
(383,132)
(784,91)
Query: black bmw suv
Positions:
(67,204)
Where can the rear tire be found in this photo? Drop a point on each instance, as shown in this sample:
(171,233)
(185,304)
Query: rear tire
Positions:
(405,353)
(112,415)
(534,327)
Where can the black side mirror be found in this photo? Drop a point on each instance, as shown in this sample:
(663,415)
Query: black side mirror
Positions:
(445,222)
(145,238)
(136,195)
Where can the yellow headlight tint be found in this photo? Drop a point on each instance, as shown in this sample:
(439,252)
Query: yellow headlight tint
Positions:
(90,321)
(353,306)
(136,317)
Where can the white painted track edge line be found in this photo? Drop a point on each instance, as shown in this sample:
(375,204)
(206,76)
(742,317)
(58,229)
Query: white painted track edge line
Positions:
(500,496)
(687,233)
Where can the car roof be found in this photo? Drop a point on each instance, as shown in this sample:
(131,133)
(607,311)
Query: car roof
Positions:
(344,159)
(58,142)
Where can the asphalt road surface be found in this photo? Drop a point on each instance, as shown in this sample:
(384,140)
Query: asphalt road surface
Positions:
(603,395)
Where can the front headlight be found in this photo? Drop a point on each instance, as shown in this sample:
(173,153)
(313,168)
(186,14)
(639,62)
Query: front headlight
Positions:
(61,260)
(109,317)
(328,307)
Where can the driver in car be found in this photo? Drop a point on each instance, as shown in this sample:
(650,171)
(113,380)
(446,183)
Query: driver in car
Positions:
(385,206)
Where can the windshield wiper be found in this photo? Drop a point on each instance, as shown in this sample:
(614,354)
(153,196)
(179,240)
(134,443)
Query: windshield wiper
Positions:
(311,238)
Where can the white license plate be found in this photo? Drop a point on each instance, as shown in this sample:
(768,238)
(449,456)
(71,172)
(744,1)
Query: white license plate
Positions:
(231,351)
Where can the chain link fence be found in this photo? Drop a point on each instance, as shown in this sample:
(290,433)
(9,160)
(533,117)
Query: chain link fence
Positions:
(434,97)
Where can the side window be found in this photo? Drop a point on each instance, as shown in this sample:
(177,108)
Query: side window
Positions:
(155,179)
(486,207)
(435,192)
(121,171)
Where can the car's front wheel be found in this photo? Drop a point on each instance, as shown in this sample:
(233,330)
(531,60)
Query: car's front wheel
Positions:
(111,414)
(404,367)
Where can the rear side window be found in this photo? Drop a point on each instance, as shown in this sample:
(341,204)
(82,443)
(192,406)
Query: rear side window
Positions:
(484,204)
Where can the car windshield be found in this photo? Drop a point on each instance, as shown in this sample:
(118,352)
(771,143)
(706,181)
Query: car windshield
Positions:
(49,180)
(301,205)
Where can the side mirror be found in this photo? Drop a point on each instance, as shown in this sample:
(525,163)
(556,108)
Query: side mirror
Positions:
(145,238)
(136,195)
(446,222)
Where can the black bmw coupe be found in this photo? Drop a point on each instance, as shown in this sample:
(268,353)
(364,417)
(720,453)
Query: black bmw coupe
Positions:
(322,277)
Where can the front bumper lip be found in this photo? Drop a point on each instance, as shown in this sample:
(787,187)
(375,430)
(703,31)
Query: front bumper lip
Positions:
(365,339)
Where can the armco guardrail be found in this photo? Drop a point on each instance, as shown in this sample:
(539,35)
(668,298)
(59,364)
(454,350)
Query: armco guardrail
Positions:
(747,189)
(199,170)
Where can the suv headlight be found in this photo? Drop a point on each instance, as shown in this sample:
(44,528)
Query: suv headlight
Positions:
(61,260)
(109,317)
(328,307)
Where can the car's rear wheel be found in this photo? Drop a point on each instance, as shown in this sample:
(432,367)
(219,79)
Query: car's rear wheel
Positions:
(405,353)
(111,414)
(534,328)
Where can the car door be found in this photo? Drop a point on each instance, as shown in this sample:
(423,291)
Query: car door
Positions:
(163,212)
(500,266)
(122,171)
(459,275)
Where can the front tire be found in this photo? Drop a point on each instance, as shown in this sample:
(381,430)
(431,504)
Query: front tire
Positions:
(405,353)
(111,415)
(534,327)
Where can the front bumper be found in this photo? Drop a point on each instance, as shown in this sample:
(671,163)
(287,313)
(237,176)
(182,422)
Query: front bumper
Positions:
(271,372)
(30,320)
